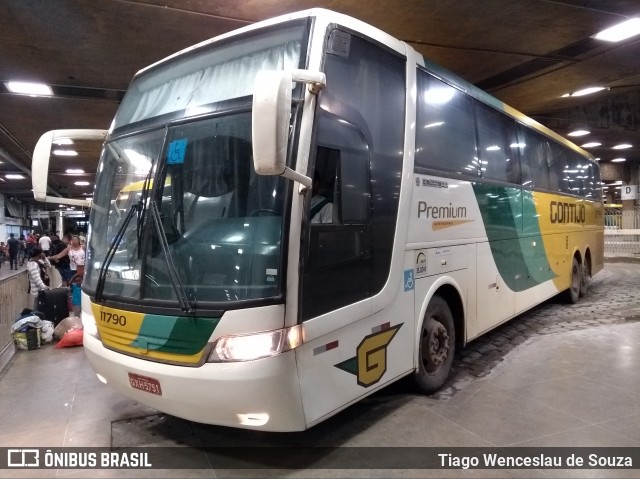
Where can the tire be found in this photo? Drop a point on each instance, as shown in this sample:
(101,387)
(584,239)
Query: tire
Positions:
(572,295)
(437,347)
(586,275)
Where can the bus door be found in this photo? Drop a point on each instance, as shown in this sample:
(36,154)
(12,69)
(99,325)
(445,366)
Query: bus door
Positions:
(346,252)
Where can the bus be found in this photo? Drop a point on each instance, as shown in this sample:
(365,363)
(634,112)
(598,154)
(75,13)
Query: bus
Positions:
(214,296)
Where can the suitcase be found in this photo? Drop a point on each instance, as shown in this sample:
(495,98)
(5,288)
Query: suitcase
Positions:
(54,304)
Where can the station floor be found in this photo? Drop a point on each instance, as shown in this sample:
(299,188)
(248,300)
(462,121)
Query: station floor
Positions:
(557,376)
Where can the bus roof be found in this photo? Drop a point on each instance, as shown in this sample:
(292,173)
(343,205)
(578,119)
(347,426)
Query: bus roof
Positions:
(330,16)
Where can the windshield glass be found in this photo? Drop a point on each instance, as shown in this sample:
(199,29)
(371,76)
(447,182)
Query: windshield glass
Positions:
(207,226)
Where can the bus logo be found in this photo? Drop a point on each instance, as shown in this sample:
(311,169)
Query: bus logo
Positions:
(370,362)
(442,216)
(421,265)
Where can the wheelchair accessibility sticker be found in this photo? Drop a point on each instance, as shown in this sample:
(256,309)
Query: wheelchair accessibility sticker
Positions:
(409,283)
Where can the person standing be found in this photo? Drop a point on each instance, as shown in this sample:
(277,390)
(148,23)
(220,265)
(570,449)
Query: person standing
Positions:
(61,264)
(22,255)
(45,244)
(76,254)
(13,245)
(32,242)
(38,277)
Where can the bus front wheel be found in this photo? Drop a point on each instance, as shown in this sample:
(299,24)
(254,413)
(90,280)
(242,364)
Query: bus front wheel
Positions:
(437,346)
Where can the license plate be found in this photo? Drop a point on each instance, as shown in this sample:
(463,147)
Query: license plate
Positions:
(145,383)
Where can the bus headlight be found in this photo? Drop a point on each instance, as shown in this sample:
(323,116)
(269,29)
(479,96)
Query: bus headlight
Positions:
(255,346)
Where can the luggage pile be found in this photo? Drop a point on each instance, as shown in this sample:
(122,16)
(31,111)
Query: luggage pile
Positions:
(30,331)
(50,322)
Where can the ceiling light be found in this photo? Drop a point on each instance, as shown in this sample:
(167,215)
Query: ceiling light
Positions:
(585,91)
(14,177)
(74,171)
(65,152)
(591,144)
(618,160)
(28,88)
(622,146)
(578,133)
(82,183)
(63,141)
(620,32)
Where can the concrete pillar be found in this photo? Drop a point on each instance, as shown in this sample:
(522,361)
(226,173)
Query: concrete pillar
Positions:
(60,224)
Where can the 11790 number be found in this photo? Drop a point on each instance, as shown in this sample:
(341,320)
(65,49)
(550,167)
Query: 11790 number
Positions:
(111,318)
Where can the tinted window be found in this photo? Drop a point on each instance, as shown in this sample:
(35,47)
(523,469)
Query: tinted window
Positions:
(359,144)
(497,145)
(445,132)
(535,157)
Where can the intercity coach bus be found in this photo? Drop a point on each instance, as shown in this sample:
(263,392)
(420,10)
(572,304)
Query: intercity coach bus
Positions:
(211,295)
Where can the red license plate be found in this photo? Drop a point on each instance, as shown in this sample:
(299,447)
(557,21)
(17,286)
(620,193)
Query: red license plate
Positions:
(145,383)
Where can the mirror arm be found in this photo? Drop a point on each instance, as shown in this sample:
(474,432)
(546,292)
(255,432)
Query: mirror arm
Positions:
(316,81)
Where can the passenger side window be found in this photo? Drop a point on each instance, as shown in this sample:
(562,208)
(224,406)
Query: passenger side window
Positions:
(535,157)
(497,145)
(445,130)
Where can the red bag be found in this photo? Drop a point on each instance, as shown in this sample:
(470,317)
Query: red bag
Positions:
(73,337)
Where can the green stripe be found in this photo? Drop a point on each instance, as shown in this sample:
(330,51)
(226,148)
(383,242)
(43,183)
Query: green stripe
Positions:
(174,334)
(520,258)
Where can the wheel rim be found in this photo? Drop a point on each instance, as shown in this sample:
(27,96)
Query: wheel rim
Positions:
(435,345)
(575,278)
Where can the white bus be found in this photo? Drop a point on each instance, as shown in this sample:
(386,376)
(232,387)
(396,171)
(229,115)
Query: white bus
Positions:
(212,294)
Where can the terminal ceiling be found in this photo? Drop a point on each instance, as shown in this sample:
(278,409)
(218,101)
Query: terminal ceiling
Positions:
(528,53)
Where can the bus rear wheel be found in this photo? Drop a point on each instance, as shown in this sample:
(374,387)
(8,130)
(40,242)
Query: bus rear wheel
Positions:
(586,275)
(573,293)
(437,346)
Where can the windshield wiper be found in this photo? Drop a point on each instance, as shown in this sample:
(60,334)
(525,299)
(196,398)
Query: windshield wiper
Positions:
(183,299)
(102,276)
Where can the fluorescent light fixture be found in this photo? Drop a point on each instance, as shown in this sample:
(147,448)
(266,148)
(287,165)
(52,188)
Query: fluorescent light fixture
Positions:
(74,171)
(11,176)
(63,141)
(435,123)
(618,160)
(65,152)
(619,32)
(591,144)
(584,91)
(578,133)
(622,146)
(518,145)
(82,183)
(28,88)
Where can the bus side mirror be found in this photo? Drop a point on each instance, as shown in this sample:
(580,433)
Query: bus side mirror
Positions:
(271,117)
(270,121)
(40,163)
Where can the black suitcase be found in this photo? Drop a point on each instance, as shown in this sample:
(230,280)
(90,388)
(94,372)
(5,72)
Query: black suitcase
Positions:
(54,304)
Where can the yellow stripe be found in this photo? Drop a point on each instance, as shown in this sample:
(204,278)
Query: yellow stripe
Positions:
(119,329)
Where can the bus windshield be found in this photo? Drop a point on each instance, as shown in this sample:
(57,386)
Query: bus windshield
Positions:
(181,212)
